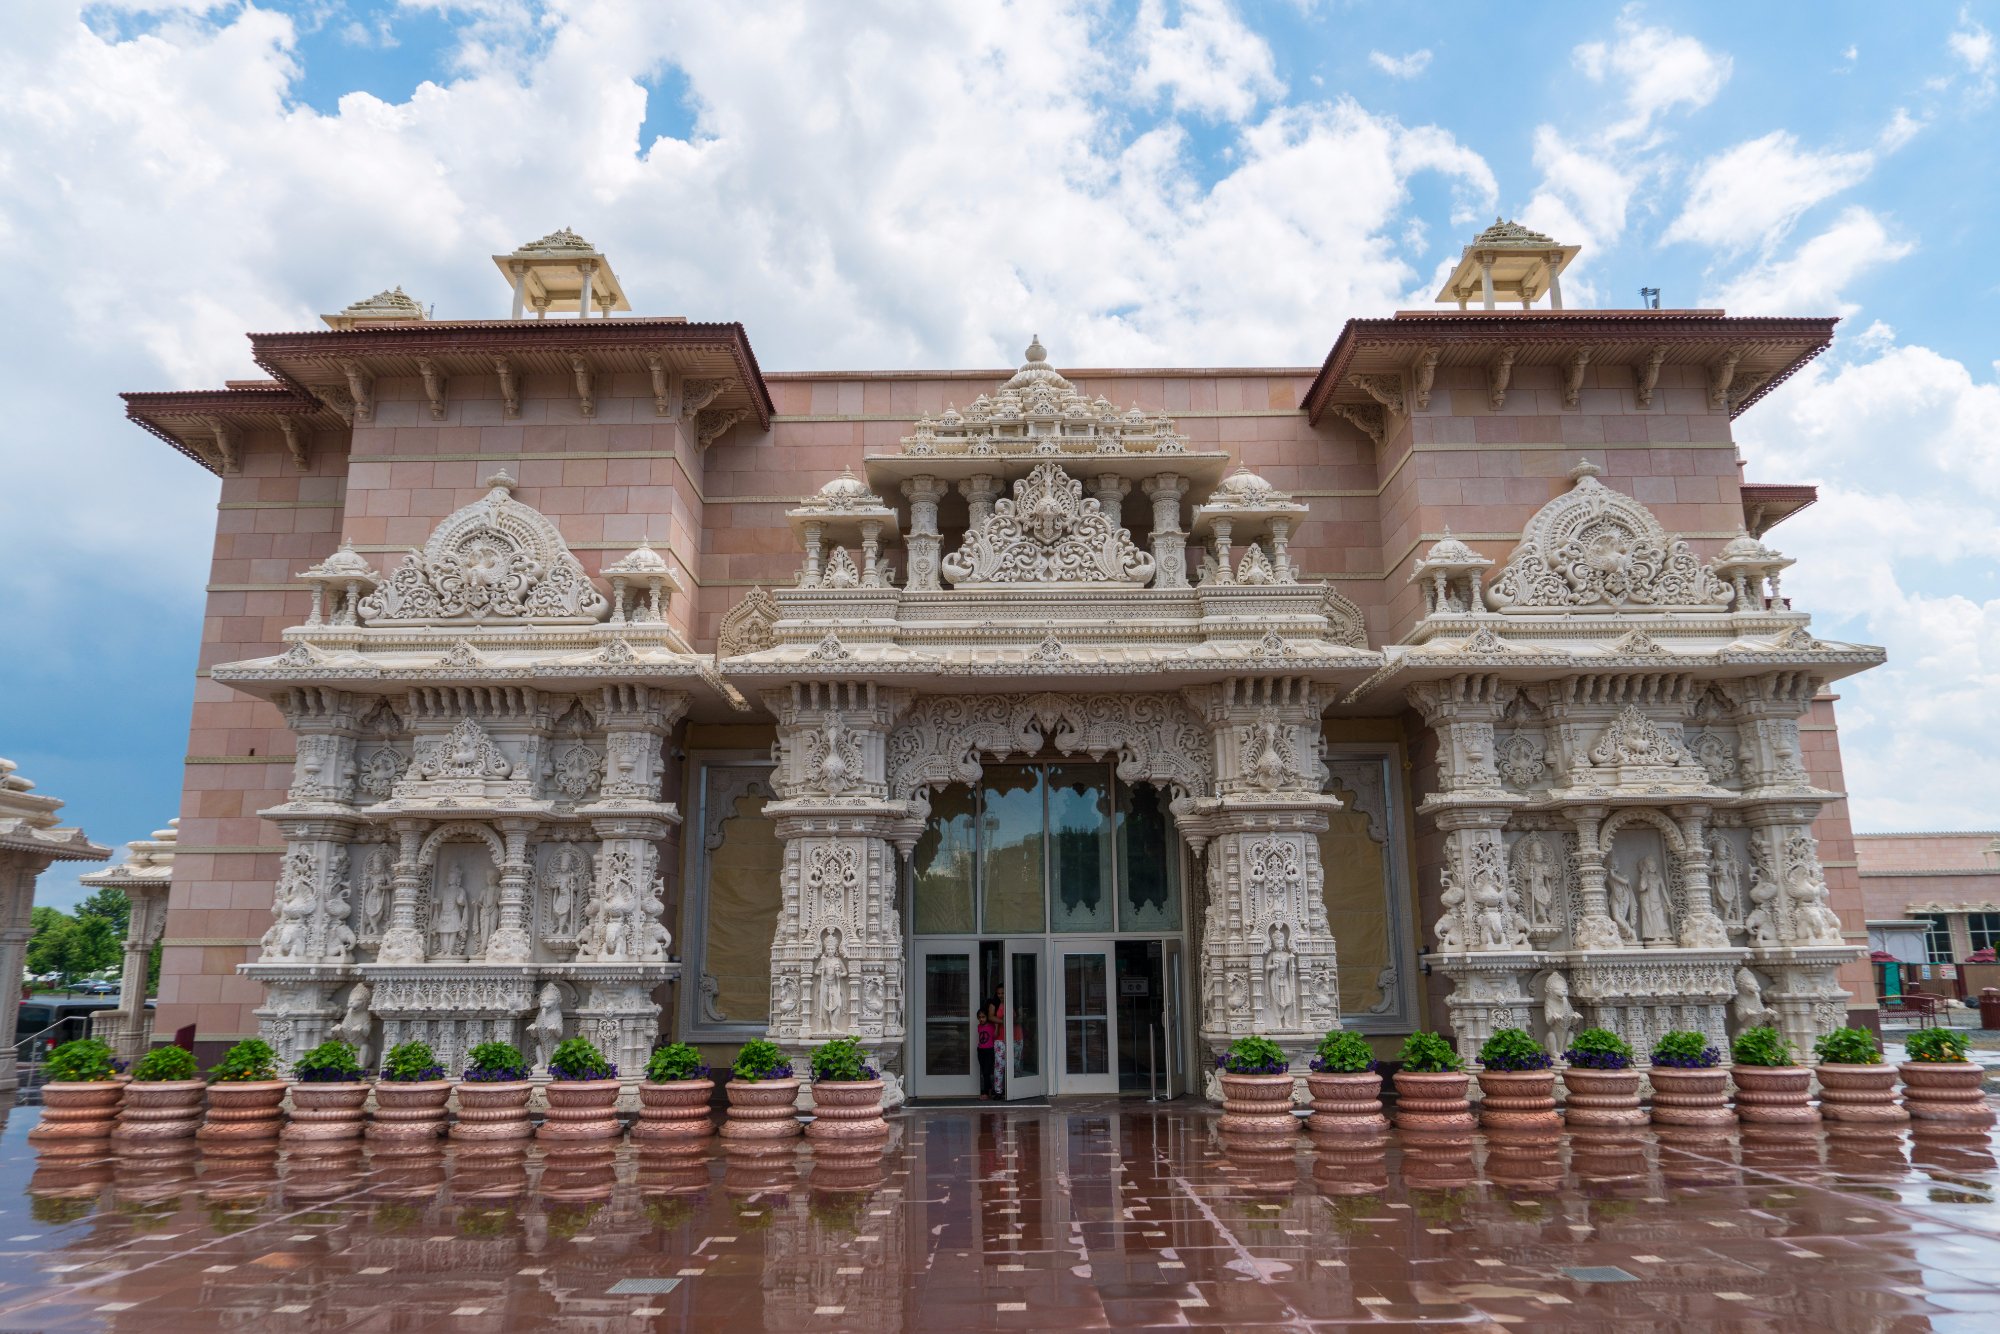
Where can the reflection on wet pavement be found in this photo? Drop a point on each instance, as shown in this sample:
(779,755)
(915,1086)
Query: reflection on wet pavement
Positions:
(1093,1214)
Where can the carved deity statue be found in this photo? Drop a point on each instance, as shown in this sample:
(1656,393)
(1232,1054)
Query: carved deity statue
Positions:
(1538,869)
(448,922)
(1281,978)
(1762,922)
(1624,904)
(1558,1014)
(569,881)
(357,1026)
(1450,927)
(377,885)
(831,970)
(1654,925)
(1749,1006)
(482,916)
(1728,872)
(547,1029)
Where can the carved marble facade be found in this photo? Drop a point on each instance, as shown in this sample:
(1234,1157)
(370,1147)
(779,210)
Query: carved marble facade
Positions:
(1627,827)
(31,839)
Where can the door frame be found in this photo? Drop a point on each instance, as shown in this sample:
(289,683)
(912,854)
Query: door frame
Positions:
(1034,948)
(1105,947)
(922,1083)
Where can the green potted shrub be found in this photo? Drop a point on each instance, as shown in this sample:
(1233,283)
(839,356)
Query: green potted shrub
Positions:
(328,1090)
(163,1100)
(1257,1089)
(1431,1086)
(1600,1084)
(410,1096)
(673,1100)
(1941,1087)
(762,1093)
(493,1095)
(583,1094)
(1517,1084)
(80,1100)
(1346,1087)
(1772,1088)
(245,1097)
(1690,1083)
(1855,1086)
(847,1096)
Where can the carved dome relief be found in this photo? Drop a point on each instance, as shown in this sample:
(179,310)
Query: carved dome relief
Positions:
(494,560)
(1596,550)
(1049,532)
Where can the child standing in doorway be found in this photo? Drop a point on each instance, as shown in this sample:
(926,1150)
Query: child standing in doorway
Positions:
(989,1034)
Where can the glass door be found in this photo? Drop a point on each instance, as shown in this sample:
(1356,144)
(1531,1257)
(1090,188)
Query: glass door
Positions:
(945,1035)
(1088,1042)
(1027,1074)
(1174,1058)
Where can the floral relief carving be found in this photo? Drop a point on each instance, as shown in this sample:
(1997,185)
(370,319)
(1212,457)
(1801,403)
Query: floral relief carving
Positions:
(1523,760)
(578,768)
(466,751)
(749,626)
(1048,532)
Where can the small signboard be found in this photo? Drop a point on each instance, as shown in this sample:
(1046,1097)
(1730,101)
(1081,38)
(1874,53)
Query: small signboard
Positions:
(1948,971)
(1135,986)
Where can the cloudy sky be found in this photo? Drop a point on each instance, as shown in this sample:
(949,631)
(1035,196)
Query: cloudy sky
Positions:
(894,183)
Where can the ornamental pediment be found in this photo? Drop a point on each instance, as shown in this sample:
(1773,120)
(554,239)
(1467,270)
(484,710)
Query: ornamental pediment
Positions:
(1047,532)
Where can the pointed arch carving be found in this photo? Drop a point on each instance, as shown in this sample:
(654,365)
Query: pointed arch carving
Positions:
(1595,549)
(747,626)
(461,831)
(1157,738)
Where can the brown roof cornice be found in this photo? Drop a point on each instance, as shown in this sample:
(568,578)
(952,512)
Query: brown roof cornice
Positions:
(183,416)
(1699,332)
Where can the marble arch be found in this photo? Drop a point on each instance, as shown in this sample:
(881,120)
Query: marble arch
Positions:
(461,831)
(1645,815)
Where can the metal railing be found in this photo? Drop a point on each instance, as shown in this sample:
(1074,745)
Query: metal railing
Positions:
(31,1053)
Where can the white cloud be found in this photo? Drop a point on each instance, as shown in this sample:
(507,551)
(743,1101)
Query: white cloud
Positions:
(1752,194)
(1657,70)
(1401,67)
(1815,277)
(1971,44)
(1583,194)
(1211,63)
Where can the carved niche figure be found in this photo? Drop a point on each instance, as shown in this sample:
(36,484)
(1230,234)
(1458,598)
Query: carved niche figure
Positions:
(483,916)
(568,880)
(831,970)
(1539,882)
(1654,926)
(1762,923)
(1728,873)
(357,1026)
(1558,1014)
(1624,904)
(339,937)
(1450,926)
(377,887)
(786,1002)
(1749,1006)
(1498,925)
(1805,885)
(1281,978)
(448,920)
(547,1029)
(293,906)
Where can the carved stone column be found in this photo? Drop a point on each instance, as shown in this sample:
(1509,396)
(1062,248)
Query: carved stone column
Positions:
(1700,927)
(308,951)
(511,941)
(980,492)
(1267,951)
(924,493)
(146,925)
(837,955)
(1594,930)
(809,572)
(1169,538)
(1110,491)
(403,942)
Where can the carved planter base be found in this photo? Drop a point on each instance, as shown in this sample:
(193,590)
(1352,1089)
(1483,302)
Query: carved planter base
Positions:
(1602,1102)
(1346,1104)
(1695,1099)
(1519,1101)
(761,1110)
(1945,1093)
(847,1114)
(243,1114)
(77,1118)
(492,1113)
(322,1112)
(1258,1105)
(159,1112)
(1434,1107)
(674,1115)
(1774,1095)
(1860,1095)
(411,1113)
(581,1109)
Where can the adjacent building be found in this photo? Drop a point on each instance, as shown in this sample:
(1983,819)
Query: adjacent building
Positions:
(569,673)
(31,840)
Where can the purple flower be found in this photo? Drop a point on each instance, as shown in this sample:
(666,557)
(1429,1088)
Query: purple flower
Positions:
(1708,1059)
(1598,1060)
(513,1075)
(609,1071)
(329,1076)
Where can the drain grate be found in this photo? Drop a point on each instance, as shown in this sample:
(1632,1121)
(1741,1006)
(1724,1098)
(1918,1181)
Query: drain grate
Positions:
(1599,1274)
(643,1287)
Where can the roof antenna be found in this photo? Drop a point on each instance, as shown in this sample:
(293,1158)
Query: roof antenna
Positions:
(1649,298)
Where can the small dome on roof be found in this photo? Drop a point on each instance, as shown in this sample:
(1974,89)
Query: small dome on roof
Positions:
(561,241)
(1510,232)
(642,560)
(1743,547)
(1036,369)
(1448,551)
(345,561)
(846,487)
(1244,485)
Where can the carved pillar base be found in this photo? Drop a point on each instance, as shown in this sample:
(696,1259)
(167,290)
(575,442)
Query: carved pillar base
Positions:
(302,1003)
(452,1007)
(1491,991)
(1804,993)
(1641,994)
(618,1012)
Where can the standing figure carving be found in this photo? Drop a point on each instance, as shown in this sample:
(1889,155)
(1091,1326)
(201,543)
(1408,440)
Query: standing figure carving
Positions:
(377,883)
(1281,977)
(357,1026)
(1539,872)
(1450,925)
(448,924)
(1749,1006)
(1728,882)
(1624,904)
(1559,1015)
(1762,922)
(1654,926)
(547,1029)
(831,969)
(569,881)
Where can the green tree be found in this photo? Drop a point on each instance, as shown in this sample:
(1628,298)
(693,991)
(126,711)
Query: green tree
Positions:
(71,946)
(110,904)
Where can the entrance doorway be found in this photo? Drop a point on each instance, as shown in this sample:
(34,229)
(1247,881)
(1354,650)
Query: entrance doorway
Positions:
(1078,1015)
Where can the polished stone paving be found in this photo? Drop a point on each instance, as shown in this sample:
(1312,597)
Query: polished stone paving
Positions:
(1092,1214)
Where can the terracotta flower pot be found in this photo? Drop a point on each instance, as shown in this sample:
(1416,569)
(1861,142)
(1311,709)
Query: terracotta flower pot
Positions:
(1774,1095)
(409,1113)
(1859,1094)
(246,1112)
(1945,1091)
(168,1109)
(493,1112)
(325,1111)
(1346,1104)
(1693,1098)
(761,1109)
(1520,1101)
(1258,1105)
(1351,1165)
(1601,1100)
(581,1109)
(1434,1104)
(75,1117)
(847,1113)
(674,1114)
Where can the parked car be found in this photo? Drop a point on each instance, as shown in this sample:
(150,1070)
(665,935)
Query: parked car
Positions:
(98,987)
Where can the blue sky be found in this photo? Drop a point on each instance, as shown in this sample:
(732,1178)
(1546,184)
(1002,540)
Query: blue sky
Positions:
(922,183)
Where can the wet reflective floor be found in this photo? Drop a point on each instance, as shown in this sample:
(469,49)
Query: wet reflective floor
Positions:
(1093,1214)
